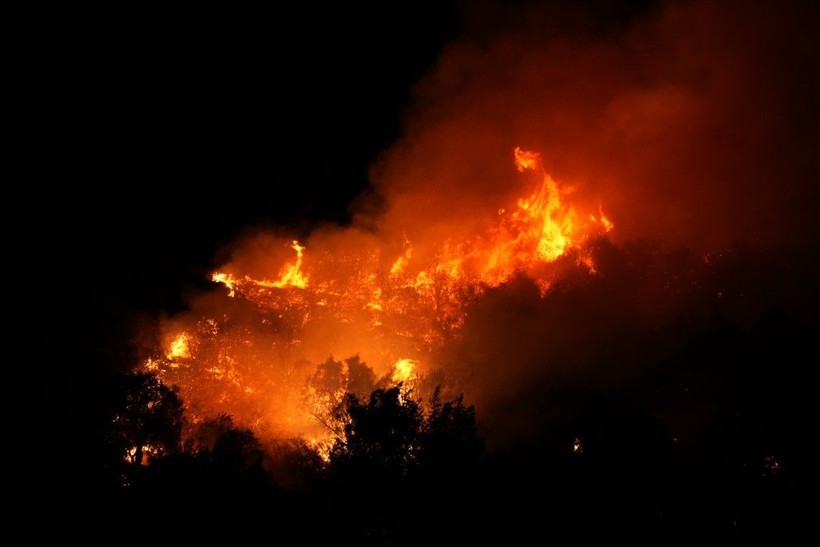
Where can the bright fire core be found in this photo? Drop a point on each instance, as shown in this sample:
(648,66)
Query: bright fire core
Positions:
(277,352)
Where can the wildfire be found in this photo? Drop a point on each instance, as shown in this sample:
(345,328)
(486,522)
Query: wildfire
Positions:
(253,359)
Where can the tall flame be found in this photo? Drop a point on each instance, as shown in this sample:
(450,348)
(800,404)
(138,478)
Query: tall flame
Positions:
(291,275)
(551,224)
(179,347)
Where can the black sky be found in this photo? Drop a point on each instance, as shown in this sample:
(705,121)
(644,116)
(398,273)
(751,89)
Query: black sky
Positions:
(181,128)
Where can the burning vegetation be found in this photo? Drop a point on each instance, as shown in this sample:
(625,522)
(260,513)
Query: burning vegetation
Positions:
(264,349)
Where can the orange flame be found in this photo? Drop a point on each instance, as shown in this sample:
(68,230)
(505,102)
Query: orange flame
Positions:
(226,279)
(291,275)
(403,370)
(179,347)
(540,229)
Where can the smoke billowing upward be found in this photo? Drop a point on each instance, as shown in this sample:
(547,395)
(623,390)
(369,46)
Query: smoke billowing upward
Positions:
(691,126)
(694,123)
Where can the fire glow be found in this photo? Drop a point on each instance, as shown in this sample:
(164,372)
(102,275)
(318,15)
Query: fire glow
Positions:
(254,350)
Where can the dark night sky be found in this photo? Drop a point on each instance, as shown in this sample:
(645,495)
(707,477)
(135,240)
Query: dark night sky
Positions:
(185,128)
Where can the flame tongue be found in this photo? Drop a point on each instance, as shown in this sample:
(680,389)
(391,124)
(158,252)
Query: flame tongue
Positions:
(292,275)
(550,225)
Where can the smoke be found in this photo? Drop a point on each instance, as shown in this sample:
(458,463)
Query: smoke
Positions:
(692,122)
(692,125)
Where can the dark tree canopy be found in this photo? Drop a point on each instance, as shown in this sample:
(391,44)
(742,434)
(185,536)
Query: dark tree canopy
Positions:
(391,436)
(450,437)
(148,423)
(231,449)
(382,433)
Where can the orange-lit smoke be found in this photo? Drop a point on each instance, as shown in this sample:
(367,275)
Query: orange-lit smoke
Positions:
(693,123)
(533,138)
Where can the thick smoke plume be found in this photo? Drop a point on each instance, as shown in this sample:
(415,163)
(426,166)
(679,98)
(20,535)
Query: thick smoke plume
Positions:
(691,125)
(694,123)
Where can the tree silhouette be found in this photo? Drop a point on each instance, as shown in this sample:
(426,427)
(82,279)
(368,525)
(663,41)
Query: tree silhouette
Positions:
(326,388)
(230,449)
(148,423)
(381,434)
(394,457)
(221,470)
(391,433)
(449,437)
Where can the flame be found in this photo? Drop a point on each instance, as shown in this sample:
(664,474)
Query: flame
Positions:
(539,230)
(395,308)
(226,279)
(401,262)
(149,453)
(526,160)
(403,370)
(291,275)
(179,347)
(548,221)
(603,220)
